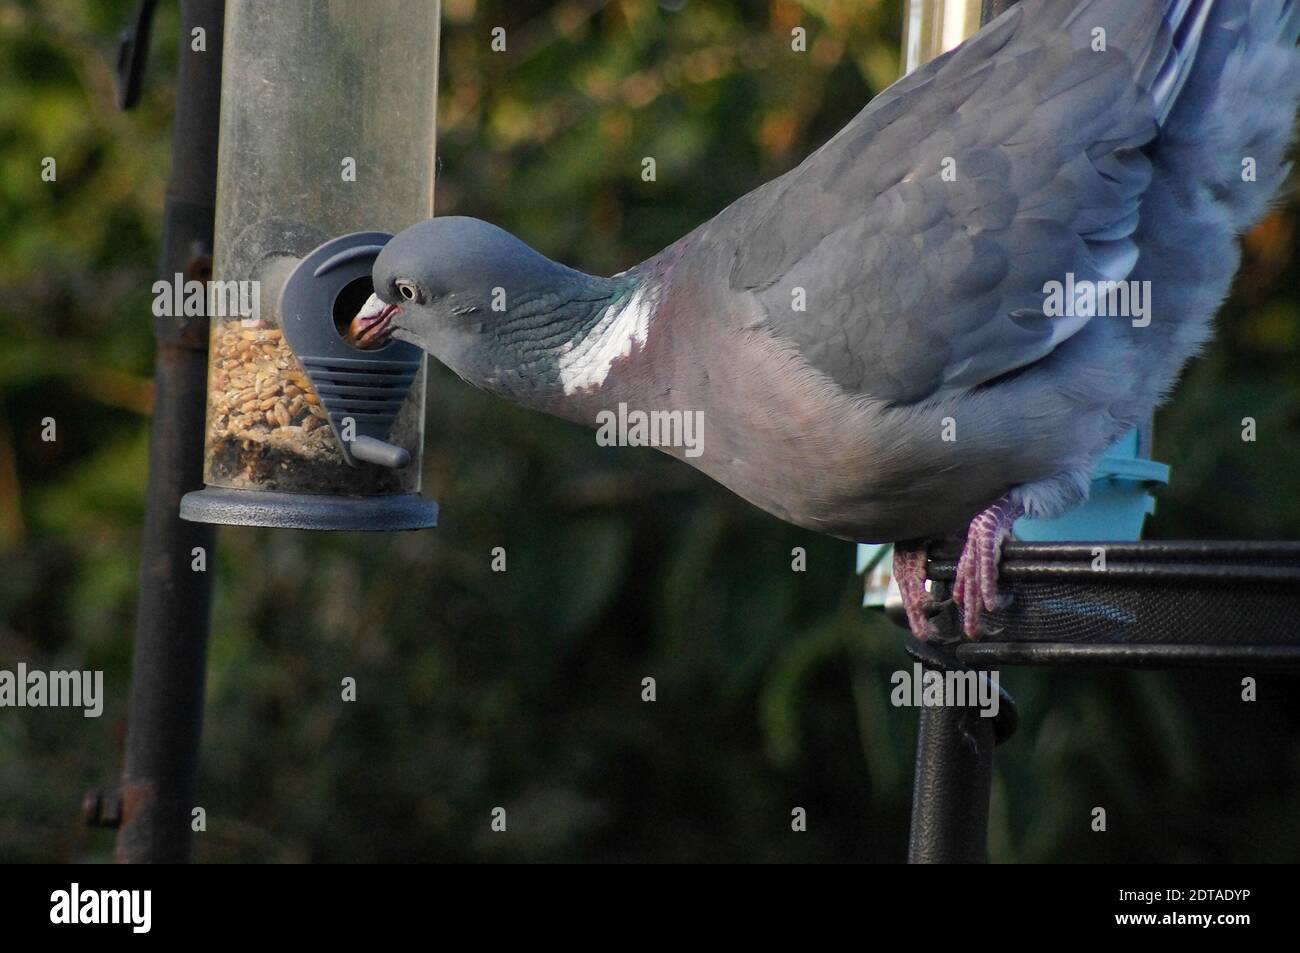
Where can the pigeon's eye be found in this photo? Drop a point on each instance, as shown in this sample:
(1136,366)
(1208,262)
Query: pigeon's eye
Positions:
(407,290)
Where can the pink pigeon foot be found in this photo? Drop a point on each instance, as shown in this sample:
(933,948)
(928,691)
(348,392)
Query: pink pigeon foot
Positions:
(976,586)
(909,573)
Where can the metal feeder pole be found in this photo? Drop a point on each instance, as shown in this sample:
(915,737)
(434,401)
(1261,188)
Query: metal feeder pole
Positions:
(170,652)
(954,746)
(951,787)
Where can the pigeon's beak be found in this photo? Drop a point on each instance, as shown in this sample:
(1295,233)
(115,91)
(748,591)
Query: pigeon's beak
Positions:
(372,325)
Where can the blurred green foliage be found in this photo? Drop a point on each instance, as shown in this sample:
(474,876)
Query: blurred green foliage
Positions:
(478,689)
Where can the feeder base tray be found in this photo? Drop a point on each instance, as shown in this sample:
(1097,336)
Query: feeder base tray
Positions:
(397,511)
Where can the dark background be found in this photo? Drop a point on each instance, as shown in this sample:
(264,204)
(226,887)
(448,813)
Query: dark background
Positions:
(522,689)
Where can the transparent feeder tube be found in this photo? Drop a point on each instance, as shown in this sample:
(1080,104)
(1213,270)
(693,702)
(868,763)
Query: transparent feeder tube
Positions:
(328,117)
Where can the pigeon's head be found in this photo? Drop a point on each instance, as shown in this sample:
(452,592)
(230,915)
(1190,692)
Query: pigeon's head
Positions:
(501,315)
(445,283)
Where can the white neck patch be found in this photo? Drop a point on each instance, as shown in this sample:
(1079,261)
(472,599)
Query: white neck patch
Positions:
(585,363)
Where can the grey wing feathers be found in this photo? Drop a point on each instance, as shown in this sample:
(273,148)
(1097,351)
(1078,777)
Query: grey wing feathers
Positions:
(922,236)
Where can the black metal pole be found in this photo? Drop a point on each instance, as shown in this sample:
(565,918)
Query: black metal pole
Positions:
(954,753)
(170,652)
(950,792)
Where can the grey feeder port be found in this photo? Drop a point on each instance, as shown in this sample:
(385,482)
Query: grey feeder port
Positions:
(361,392)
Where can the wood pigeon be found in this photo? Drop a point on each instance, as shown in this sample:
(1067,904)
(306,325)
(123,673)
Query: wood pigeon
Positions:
(942,317)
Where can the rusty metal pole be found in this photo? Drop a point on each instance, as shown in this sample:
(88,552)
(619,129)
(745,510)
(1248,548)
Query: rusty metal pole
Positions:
(170,652)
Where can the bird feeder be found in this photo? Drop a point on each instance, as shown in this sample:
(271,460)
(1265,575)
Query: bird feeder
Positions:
(326,148)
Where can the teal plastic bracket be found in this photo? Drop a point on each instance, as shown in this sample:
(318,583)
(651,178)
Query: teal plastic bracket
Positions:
(1120,500)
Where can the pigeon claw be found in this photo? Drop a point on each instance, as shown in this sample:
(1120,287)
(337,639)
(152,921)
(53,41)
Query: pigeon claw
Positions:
(976,587)
(909,573)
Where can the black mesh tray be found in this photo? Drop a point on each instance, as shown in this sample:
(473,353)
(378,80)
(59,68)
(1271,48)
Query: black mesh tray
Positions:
(1155,604)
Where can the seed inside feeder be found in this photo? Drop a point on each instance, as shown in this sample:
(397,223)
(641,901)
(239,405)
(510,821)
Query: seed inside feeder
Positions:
(267,429)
